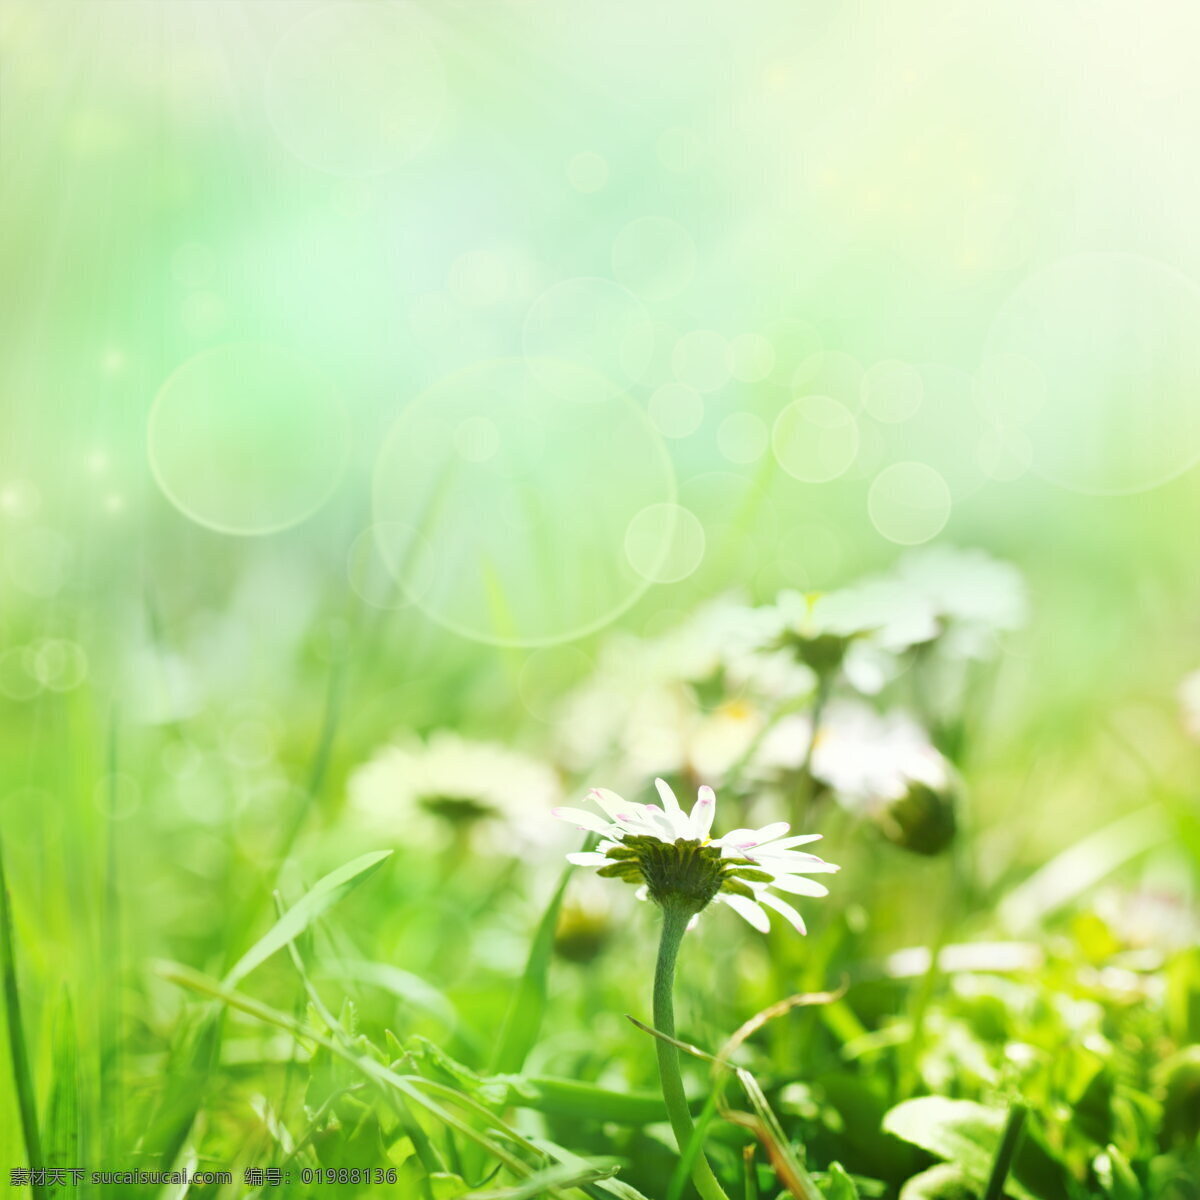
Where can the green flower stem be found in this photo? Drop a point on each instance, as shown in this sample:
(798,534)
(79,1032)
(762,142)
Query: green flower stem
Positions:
(675,922)
(820,701)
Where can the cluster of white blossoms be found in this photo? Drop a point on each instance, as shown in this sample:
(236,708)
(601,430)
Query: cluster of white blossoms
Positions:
(690,701)
(696,699)
(672,858)
(960,602)
(741,693)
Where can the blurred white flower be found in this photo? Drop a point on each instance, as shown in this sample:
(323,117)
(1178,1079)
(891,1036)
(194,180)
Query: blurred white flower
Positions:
(1189,703)
(867,758)
(975,598)
(451,784)
(671,857)
(857,631)
(1161,918)
(691,700)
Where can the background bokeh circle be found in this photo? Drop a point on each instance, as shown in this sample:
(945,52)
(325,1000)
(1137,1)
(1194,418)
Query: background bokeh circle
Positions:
(247,438)
(526,546)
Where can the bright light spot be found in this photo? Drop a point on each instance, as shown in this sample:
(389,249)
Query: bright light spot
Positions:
(20,499)
(527,547)
(892,391)
(751,357)
(815,439)
(909,503)
(247,439)
(664,543)
(742,437)
(676,410)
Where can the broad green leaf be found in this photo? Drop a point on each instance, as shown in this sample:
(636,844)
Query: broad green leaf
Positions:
(325,893)
(960,1131)
(445,1186)
(968,1135)
(838,1184)
(943,1182)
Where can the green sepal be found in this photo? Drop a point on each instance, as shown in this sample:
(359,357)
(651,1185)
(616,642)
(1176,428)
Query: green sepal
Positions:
(755,873)
(621,870)
(619,852)
(737,887)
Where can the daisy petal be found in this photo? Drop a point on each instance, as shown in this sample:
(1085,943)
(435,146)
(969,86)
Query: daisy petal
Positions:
(800,839)
(749,910)
(670,803)
(790,863)
(769,832)
(739,839)
(589,858)
(609,801)
(703,812)
(582,818)
(797,885)
(784,909)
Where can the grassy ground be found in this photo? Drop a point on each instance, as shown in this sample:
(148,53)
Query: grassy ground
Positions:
(214,962)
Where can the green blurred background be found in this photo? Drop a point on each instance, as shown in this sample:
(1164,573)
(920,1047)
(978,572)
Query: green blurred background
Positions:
(441,340)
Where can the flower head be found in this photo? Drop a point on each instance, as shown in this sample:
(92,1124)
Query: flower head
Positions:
(671,857)
(881,766)
(450,785)
(689,700)
(853,632)
(975,598)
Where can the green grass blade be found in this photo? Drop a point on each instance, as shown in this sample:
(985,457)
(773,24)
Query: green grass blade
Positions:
(18,1053)
(570,1098)
(560,1175)
(62,1108)
(1009,1141)
(528,1005)
(325,893)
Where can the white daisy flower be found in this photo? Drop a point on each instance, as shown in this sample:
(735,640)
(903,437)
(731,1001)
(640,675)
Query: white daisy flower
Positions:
(868,757)
(450,783)
(673,859)
(690,701)
(881,766)
(856,631)
(974,597)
